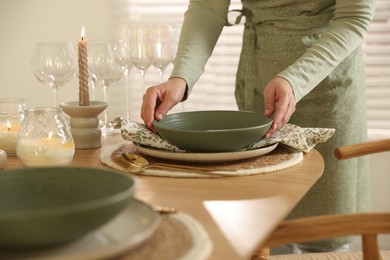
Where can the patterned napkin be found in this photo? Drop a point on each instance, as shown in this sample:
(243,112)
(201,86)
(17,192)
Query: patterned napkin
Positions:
(302,139)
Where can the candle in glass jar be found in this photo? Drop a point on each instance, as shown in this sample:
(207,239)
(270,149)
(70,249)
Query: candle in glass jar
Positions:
(50,151)
(83,71)
(9,136)
(3,159)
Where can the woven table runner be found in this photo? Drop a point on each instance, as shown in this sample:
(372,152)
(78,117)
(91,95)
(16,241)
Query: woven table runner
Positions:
(279,159)
(179,236)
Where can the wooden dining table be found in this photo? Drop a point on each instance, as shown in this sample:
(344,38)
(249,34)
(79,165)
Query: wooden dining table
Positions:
(257,203)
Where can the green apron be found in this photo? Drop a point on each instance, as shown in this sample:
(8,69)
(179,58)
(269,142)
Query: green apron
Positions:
(271,43)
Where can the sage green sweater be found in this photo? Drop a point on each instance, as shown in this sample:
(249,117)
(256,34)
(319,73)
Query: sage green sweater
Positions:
(205,19)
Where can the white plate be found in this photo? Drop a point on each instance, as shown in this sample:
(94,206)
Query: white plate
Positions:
(127,230)
(204,157)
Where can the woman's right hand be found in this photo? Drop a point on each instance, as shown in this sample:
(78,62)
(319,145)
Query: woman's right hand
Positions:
(279,101)
(159,99)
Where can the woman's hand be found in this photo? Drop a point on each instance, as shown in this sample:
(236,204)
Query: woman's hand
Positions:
(278,100)
(159,99)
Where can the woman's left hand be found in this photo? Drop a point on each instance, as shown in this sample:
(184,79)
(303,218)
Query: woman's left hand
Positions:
(279,100)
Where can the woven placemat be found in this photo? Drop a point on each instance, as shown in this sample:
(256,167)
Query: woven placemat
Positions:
(279,159)
(179,236)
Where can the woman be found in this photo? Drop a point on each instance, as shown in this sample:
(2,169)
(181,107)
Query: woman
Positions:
(301,62)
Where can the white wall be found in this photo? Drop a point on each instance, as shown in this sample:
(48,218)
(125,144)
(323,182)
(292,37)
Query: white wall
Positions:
(22,23)
(380,170)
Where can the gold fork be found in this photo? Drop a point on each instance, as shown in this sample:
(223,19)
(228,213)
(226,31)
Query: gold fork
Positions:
(140,164)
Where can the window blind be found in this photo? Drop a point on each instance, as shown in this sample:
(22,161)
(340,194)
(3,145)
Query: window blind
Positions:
(215,89)
(377,59)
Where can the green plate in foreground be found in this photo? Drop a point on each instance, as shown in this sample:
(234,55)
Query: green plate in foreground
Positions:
(50,206)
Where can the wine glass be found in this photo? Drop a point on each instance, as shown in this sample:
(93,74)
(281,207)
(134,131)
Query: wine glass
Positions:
(141,48)
(175,35)
(105,70)
(54,64)
(162,43)
(122,57)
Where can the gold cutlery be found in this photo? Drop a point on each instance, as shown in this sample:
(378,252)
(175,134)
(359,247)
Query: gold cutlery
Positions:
(135,163)
(165,210)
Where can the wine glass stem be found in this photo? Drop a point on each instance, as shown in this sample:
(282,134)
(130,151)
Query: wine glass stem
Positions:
(142,73)
(105,98)
(55,96)
(161,74)
(93,90)
(126,76)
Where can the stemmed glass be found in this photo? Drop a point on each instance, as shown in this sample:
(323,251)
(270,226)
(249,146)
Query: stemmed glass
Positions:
(175,36)
(54,64)
(122,57)
(105,70)
(162,43)
(141,48)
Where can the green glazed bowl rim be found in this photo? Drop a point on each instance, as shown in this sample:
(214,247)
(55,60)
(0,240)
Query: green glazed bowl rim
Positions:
(76,207)
(161,124)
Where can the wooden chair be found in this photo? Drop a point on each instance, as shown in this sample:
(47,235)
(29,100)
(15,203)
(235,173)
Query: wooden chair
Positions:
(367,225)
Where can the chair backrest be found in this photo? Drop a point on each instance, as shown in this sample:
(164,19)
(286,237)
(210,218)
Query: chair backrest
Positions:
(370,147)
(368,225)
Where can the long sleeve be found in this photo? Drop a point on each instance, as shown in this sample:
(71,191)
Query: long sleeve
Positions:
(203,24)
(346,31)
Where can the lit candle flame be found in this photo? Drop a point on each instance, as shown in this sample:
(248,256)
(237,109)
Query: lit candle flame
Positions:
(8,126)
(82,33)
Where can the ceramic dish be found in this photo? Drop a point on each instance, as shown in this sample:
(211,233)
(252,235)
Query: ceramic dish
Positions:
(48,206)
(133,226)
(213,131)
(204,157)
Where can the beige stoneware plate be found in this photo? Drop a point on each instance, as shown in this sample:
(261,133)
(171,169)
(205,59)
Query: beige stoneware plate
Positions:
(204,157)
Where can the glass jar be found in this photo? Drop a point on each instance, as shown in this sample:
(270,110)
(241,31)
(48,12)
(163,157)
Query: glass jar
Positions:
(45,138)
(3,159)
(11,116)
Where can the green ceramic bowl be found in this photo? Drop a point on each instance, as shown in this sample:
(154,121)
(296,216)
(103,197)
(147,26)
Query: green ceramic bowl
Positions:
(50,206)
(213,131)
